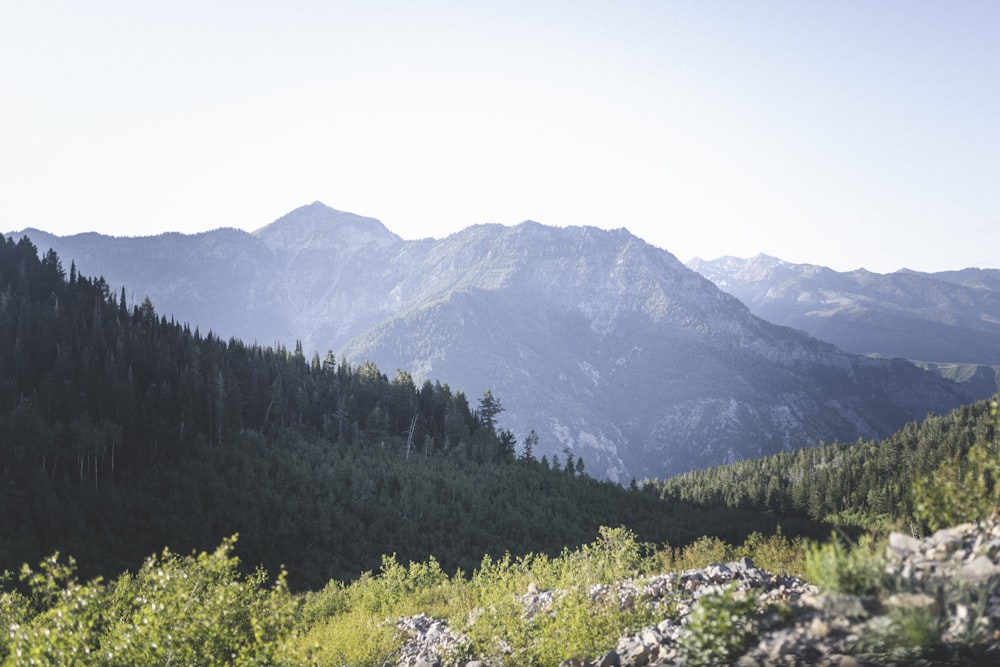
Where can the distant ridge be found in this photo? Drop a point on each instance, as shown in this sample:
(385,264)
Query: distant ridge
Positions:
(947,317)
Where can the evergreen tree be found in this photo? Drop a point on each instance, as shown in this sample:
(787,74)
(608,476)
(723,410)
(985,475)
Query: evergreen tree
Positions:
(489,408)
(530,442)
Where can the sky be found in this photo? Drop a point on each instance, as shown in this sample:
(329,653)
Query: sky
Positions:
(848,134)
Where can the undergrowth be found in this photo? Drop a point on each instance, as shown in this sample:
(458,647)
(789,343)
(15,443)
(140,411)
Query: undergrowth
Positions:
(198,609)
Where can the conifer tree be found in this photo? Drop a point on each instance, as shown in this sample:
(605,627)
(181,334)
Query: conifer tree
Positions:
(489,408)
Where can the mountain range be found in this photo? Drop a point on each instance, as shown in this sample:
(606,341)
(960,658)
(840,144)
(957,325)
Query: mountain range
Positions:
(606,346)
(949,320)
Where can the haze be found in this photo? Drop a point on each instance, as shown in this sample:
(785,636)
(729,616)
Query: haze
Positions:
(847,134)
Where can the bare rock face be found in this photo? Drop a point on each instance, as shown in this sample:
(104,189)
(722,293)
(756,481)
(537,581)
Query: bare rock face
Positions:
(943,608)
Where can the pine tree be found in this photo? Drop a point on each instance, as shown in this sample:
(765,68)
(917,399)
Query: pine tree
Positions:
(489,408)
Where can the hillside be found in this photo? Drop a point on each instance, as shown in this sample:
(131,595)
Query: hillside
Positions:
(122,432)
(863,483)
(608,347)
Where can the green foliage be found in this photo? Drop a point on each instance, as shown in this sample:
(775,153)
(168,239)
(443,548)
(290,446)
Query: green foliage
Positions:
(353,624)
(838,567)
(574,624)
(196,610)
(65,620)
(720,628)
(701,552)
(865,484)
(775,553)
(905,636)
(353,637)
(615,555)
(191,610)
(965,487)
(15,610)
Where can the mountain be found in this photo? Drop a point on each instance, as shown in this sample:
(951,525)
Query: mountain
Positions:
(608,347)
(949,317)
(122,433)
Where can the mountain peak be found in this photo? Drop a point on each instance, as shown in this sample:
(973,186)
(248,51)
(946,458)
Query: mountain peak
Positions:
(317,225)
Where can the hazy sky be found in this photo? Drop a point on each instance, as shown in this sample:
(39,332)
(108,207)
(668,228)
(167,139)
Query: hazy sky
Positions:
(839,133)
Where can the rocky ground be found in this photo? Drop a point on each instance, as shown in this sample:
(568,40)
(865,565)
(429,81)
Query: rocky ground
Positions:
(940,605)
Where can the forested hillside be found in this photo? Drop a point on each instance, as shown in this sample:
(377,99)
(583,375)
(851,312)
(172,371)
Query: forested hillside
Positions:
(122,432)
(861,483)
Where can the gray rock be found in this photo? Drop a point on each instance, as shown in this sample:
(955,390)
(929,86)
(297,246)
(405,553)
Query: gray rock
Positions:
(903,543)
(609,659)
(978,569)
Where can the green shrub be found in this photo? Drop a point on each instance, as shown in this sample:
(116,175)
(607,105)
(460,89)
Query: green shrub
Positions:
(837,567)
(903,636)
(774,553)
(195,610)
(701,552)
(720,628)
(61,619)
(14,611)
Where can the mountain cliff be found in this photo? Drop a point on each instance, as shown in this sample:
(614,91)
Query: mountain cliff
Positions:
(609,348)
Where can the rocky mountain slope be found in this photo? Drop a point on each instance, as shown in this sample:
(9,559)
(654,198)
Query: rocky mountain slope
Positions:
(948,317)
(608,347)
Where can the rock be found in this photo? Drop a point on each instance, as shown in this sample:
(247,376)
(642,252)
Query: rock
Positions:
(609,659)
(651,637)
(841,605)
(636,654)
(903,543)
(978,569)
(915,601)
(819,628)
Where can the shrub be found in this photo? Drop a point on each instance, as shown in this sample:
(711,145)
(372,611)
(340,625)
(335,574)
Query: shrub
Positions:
(191,610)
(774,553)
(836,567)
(720,628)
(196,609)
(61,619)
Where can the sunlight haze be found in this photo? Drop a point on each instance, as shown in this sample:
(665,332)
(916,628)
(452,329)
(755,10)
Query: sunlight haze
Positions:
(846,134)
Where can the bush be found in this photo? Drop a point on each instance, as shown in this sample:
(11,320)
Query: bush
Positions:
(191,610)
(720,628)
(774,553)
(196,609)
(837,567)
